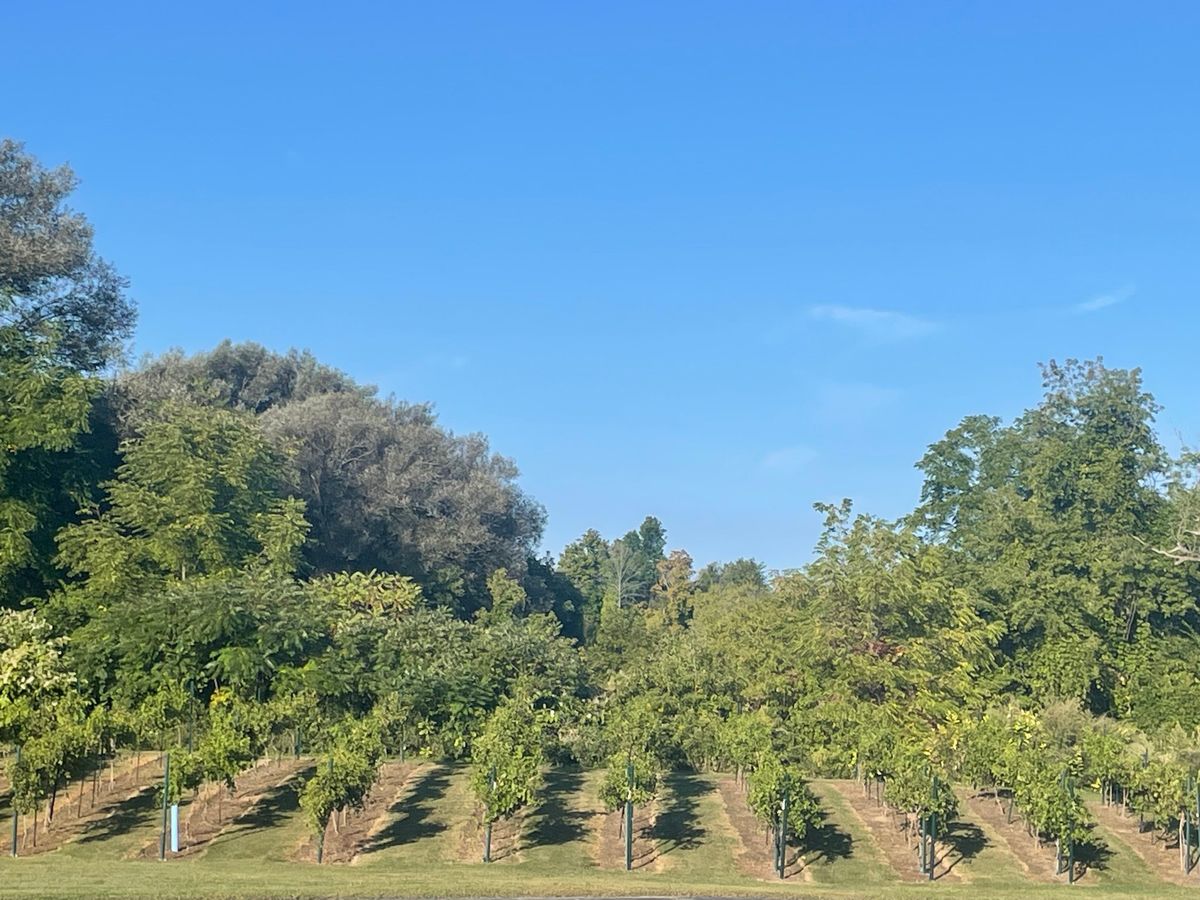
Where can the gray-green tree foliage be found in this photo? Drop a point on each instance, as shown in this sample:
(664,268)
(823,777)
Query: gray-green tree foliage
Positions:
(388,489)
(49,273)
(244,376)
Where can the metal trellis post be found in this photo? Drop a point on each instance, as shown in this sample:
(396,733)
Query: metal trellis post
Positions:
(932,835)
(162,838)
(783,831)
(629,815)
(487,835)
(14,815)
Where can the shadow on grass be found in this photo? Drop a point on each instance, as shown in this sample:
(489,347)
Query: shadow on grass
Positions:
(1093,853)
(826,843)
(276,804)
(130,814)
(414,813)
(964,841)
(676,827)
(557,824)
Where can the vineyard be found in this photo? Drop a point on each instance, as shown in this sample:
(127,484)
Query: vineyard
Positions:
(276,821)
(421,820)
(264,631)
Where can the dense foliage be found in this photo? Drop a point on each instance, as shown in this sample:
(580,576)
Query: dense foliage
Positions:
(242,550)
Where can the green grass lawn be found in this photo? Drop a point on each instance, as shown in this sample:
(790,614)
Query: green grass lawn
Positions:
(847,854)
(269,833)
(418,851)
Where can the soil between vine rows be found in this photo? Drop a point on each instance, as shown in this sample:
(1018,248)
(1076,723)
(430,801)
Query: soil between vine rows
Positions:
(420,831)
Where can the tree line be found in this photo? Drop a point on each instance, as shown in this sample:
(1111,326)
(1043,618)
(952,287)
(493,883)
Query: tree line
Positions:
(240,550)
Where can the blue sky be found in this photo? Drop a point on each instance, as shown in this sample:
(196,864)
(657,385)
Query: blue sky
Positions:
(707,261)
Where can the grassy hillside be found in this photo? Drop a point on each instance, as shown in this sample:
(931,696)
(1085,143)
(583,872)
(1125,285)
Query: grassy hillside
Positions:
(420,835)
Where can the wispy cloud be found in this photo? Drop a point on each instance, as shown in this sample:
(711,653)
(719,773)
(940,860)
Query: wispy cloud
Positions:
(788,459)
(1103,301)
(876,324)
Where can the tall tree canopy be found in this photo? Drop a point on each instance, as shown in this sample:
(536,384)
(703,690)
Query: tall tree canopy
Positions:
(200,493)
(1050,517)
(51,281)
(63,317)
(385,486)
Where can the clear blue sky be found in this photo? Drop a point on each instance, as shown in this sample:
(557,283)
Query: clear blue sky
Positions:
(707,261)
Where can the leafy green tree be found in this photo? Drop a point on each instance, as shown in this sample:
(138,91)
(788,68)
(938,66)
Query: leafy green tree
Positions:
(748,572)
(33,671)
(1051,517)
(199,494)
(63,316)
(49,272)
(245,631)
(508,597)
(549,590)
(370,593)
(585,563)
(672,592)
(386,488)
(46,409)
(652,540)
(245,377)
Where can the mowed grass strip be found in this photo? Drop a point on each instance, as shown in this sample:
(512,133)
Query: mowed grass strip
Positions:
(274,830)
(1116,863)
(426,820)
(414,854)
(844,852)
(561,835)
(128,826)
(978,853)
(693,835)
